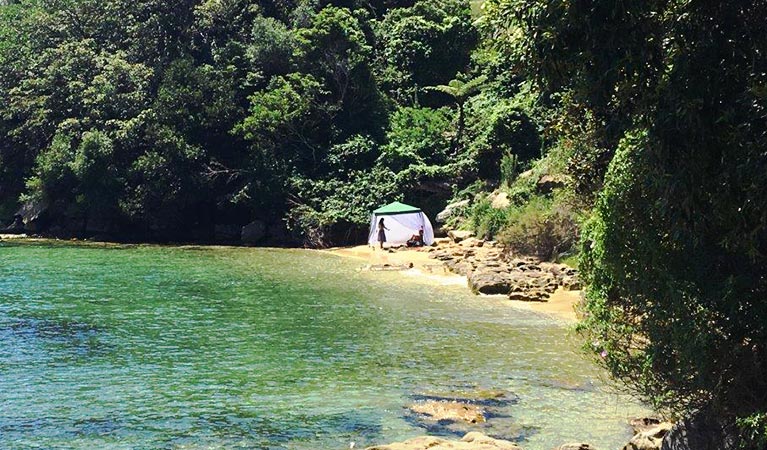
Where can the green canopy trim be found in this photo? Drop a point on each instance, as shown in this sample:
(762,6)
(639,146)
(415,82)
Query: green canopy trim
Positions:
(395,208)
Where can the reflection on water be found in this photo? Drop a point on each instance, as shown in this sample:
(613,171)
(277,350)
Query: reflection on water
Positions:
(202,347)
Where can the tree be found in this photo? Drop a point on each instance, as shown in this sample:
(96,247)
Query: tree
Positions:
(423,45)
(460,91)
(675,252)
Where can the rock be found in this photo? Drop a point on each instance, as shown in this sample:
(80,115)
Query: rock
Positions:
(701,432)
(452,411)
(472,242)
(640,424)
(650,438)
(32,213)
(548,183)
(529,296)
(451,210)
(223,232)
(487,282)
(471,441)
(253,232)
(459,235)
(499,200)
(576,447)
(15,227)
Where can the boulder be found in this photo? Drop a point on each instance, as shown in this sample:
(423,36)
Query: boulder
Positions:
(253,232)
(548,183)
(499,200)
(16,226)
(650,438)
(32,213)
(472,242)
(471,441)
(451,210)
(640,424)
(491,282)
(459,235)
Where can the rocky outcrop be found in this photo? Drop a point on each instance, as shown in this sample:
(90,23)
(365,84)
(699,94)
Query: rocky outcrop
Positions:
(451,210)
(459,235)
(32,215)
(548,183)
(490,271)
(471,441)
(649,438)
(641,424)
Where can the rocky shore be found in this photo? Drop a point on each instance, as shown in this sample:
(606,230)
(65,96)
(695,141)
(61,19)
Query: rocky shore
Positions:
(491,270)
(646,438)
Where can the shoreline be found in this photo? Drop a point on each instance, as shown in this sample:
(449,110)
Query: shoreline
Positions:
(422,268)
(415,264)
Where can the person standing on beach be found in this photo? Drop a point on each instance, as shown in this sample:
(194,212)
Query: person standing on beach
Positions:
(381,233)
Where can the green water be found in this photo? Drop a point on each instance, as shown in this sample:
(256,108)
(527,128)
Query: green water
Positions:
(145,347)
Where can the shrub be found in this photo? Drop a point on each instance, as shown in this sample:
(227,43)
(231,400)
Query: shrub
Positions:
(544,228)
(485,220)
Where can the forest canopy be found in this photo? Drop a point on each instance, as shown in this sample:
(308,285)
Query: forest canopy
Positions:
(632,135)
(169,120)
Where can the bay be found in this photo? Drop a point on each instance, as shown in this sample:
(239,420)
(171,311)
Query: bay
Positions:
(157,347)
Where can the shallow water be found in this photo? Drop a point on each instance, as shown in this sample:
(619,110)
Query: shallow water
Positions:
(147,347)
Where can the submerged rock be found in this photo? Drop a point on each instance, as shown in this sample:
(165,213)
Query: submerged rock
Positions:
(452,411)
(471,441)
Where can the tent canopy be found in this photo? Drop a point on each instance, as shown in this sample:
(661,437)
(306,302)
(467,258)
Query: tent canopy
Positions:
(403,222)
(396,208)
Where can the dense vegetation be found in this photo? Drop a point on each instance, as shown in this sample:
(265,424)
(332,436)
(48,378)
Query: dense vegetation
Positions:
(666,106)
(172,120)
(638,129)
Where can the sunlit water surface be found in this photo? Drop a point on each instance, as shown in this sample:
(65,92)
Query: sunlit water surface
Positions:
(147,347)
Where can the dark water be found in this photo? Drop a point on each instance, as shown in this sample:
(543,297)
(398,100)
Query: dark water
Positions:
(145,347)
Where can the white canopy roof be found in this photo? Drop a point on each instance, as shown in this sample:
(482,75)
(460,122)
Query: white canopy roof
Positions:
(401,225)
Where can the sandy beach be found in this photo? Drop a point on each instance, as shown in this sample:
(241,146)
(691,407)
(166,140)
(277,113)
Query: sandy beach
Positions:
(561,304)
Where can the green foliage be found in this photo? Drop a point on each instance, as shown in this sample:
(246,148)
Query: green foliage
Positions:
(674,254)
(487,221)
(542,227)
(417,136)
(423,45)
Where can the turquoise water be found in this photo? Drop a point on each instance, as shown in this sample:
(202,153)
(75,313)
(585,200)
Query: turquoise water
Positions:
(147,347)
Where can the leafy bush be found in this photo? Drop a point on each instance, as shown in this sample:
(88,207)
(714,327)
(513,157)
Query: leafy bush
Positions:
(544,228)
(487,221)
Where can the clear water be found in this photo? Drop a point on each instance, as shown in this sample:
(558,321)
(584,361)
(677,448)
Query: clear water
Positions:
(147,347)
